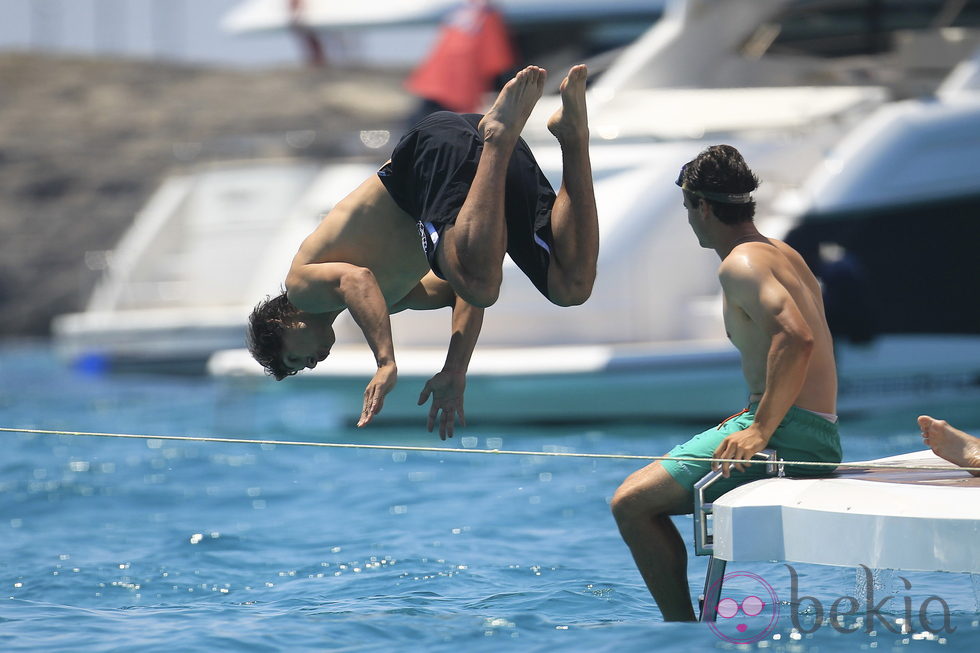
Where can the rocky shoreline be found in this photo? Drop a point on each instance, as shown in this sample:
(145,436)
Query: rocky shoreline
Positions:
(84,142)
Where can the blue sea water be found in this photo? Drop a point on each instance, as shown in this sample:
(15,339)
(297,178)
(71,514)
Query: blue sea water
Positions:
(153,545)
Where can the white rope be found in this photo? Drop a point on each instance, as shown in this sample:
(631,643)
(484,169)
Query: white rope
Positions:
(503,452)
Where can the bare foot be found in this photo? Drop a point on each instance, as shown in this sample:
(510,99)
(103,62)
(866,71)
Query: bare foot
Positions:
(571,121)
(950,443)
(505,119)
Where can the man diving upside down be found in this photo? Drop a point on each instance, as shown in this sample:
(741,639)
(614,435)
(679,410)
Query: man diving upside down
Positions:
(470,187)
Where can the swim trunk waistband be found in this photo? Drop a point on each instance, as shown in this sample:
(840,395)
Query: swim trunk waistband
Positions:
(830,417)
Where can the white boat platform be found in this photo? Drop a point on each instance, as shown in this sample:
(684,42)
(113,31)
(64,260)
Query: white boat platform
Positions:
(889,515)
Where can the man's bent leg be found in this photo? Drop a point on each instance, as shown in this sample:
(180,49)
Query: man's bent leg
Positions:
(642,507)
(574,220)
(471,251)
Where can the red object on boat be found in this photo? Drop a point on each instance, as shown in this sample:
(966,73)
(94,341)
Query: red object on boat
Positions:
(472,50)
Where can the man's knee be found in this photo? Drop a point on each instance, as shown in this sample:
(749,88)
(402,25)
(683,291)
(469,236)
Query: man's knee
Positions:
(646,494)
(631,505)
(474,284)
(573,294)
(481,292)
(623,504)
(569,289)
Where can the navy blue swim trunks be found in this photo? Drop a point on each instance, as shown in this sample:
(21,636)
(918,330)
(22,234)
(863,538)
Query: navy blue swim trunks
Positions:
(429,176)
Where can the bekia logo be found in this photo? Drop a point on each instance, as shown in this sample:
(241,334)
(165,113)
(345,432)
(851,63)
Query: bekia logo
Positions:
(873,611)
(748,608)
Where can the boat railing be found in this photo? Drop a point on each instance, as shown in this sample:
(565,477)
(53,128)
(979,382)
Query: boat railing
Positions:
(704,537)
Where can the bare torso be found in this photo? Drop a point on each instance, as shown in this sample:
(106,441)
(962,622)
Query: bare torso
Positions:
(369,230)
(819,391)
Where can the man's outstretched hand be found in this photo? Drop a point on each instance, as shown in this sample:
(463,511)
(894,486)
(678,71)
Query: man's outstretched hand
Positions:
(374,396)
(446,389)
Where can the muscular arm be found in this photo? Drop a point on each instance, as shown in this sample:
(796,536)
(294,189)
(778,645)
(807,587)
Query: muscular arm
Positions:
(466,326)
(447,386)
(320,287)
(770,307)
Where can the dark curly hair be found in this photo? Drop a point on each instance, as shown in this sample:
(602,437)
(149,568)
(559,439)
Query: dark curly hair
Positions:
(720,169)
(266,326)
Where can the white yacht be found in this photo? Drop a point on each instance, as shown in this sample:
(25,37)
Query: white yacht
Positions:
(783,81)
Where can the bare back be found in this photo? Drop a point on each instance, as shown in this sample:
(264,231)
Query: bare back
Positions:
(369,230)
(781,268)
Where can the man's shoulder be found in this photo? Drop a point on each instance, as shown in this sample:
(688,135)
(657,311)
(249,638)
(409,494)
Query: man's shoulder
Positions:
(743,263)
(749,267)
(755,258)
(312,287)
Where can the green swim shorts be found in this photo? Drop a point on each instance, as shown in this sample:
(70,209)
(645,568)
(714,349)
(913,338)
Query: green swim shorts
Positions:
(802,435)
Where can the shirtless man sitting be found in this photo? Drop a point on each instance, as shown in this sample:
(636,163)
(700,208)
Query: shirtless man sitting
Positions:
(470,190)
(949,443)
(774,315)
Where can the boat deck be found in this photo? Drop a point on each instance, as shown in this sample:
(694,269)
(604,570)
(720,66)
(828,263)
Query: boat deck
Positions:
(953,476)
(911,519)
